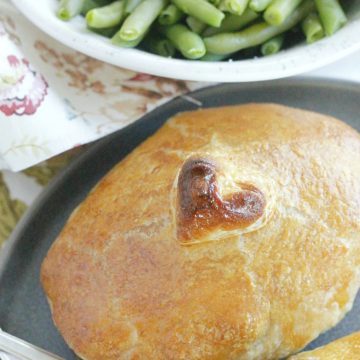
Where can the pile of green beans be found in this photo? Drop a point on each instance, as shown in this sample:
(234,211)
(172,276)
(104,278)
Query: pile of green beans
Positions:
(209,30)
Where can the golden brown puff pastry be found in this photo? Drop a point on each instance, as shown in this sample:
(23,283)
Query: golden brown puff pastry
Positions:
(232,233)
(347,348)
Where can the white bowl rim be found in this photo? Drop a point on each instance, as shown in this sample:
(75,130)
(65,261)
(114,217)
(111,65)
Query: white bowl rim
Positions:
(297,60)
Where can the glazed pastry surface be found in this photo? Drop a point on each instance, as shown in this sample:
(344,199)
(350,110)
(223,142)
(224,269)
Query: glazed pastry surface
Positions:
(232,233)
(347,348)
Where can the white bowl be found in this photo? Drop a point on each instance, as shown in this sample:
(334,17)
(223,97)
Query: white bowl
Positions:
(296,60)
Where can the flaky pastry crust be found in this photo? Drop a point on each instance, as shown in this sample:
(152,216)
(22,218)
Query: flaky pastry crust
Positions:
(347,348)
(232,233)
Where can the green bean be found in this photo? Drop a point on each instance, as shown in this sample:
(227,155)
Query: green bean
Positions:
(92,4)
(131,5)
(331,14)
(257,34)
(236,7)
(187,42)
(195,25)
(312,28)
(107,32)
(118,41)
(279,10)
(179,24)
(232,23)
(69,8)
(161,46)
(215,2)
(88,5)
(272,46)
(106,16)
(259,5)
(201,10)
(213,57)
(170,15)
(139,21)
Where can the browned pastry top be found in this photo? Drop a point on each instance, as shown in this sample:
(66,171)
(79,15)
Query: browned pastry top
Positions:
(201,209)
(232,233)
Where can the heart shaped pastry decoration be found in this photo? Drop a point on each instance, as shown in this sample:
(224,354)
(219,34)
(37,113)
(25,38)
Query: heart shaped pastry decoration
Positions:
(203,214)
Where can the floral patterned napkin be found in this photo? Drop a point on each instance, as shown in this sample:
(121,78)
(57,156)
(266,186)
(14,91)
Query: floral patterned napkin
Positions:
(53,98)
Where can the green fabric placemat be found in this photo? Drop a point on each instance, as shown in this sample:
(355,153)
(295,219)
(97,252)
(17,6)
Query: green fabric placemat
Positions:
(11,209)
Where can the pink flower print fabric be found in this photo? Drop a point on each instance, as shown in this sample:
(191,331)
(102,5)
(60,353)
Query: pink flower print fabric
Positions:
(22,89)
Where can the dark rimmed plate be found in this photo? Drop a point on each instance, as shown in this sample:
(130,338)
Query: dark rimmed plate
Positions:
(23,309)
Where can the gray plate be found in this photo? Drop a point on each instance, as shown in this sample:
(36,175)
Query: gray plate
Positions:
(23,308)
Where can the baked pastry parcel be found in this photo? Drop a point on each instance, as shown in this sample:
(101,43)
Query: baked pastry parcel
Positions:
(232,233)
(347,348)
